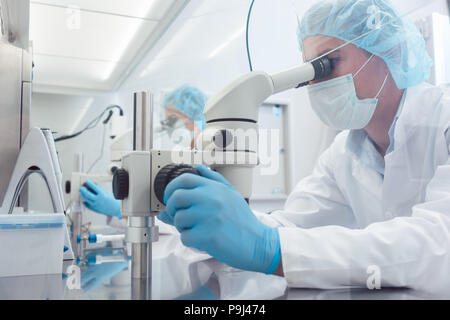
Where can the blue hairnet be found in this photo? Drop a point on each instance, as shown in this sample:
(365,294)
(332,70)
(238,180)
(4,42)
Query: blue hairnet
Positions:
(190,101)
(378,28)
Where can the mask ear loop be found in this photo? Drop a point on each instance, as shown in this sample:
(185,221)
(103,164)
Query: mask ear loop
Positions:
(385,79)
(365,64)
(382,86)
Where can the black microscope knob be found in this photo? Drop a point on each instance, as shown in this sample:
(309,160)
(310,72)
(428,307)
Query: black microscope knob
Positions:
(167,174)
(67,186)
(121,183)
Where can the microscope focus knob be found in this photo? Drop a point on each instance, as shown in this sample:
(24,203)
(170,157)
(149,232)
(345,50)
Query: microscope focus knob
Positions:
(120,184)
(167,174)
(68,187)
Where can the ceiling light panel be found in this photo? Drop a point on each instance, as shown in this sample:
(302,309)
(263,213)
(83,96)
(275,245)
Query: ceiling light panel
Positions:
(75,73)
(145,9)
(92,36)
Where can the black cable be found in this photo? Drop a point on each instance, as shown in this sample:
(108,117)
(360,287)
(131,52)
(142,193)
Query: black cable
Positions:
(246,34)
(109,117)
(93,123)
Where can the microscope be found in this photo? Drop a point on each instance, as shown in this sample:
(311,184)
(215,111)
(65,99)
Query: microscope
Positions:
(228,145)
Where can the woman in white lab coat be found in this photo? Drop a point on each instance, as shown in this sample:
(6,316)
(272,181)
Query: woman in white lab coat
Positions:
(378,201)
(350,218)
(376,210)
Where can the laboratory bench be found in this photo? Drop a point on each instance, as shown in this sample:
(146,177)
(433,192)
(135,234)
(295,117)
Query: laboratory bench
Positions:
(104,274)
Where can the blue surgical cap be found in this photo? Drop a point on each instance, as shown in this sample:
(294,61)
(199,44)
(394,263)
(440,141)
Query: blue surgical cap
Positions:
(377,27)
(190,101)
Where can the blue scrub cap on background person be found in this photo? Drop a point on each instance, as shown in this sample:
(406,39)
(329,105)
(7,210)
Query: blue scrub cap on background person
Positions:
(386,34)
(190,101)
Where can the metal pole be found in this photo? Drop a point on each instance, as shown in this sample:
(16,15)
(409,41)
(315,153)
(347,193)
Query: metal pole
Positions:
(141,252)
(77,222)
(77,215)
(141,264)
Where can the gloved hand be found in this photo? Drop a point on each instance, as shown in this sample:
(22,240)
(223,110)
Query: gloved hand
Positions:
(100,200)
(212,216)
(96,274)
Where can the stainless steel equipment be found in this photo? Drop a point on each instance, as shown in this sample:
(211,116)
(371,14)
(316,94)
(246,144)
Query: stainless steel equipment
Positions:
(15,88)
(38,155)
(141,230)
(76,212)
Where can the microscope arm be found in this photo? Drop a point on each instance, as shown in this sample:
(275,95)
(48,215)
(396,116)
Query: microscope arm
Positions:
(233,113)
(242,98)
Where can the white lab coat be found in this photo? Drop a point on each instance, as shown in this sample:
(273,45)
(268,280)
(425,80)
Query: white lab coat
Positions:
(345,224)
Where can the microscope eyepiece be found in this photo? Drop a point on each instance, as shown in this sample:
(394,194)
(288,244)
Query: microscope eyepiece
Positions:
(322,68)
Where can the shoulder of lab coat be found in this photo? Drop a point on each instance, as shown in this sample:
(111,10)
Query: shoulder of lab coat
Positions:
(317,200)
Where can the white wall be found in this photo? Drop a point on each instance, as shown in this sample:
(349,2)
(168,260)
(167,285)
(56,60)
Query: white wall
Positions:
(419,9)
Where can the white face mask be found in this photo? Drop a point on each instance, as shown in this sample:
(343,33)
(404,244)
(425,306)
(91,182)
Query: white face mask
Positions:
(336,104)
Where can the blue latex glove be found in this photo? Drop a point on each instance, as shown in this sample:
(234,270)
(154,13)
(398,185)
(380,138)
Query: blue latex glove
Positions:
(98,273)
(100,200)
(212,216)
